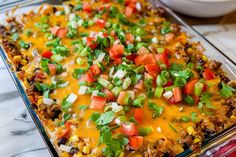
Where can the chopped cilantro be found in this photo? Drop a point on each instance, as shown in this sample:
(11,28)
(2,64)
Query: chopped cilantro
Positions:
(157,110)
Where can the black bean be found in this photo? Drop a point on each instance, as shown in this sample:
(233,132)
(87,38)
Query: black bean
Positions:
(62,140)
(74,150)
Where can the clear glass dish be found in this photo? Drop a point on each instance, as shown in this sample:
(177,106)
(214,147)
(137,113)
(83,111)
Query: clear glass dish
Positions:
(211,51)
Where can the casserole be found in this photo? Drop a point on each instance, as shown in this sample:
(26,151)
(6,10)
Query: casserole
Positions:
(71,98)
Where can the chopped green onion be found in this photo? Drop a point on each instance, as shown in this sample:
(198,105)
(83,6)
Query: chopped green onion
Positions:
(145,131)
(172,127)
(57,57)
(84,52)
(139,69)
(185,119)
(82,83)
(127,82)
(24,45)
(105,83)
(80,61)
(188,100)
(139,101)
(158,92)
(116,91)
(198,88)
(101,94)
(160,50)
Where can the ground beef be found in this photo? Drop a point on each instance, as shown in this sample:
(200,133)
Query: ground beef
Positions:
(10,47)
(50,112)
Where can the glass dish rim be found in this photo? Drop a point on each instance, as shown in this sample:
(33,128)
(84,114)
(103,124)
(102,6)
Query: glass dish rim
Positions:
(52,150)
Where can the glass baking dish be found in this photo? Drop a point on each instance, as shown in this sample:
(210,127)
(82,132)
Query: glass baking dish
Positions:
(211,51)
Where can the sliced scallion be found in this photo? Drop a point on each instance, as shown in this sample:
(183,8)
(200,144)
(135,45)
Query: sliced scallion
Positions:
(198,88)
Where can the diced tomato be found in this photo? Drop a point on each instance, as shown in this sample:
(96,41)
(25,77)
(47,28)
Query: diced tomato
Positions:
(52,68)
(121,97)
(177,94)
(130,2)
(172,100)
(131,57)
(208,74)
(128,11)
(136,142)
(101,23)
(117,61)
(89,77)
(138,114)
(95,69)
(169,83)
(102,7)
(144,59)
(129,37)
(105,0)
(109,94)
(61,33)
(66,131)
(97,103)
(91,43)
(47,54)
(139,86)
(104,76)
(87,7)
(129,129)
(189,87)
(163,59)
(116,51)
(152,68)
(54,30)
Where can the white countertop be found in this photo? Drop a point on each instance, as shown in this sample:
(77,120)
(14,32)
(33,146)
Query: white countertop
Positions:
(18,134)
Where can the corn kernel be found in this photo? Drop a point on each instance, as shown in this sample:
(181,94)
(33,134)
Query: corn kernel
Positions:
(17,59)
(23,62)
(204,58)
(122,154)
(74,138)
(233,117)
(40,101)
(78,155)
(190,130)
(86,149)
(196,140)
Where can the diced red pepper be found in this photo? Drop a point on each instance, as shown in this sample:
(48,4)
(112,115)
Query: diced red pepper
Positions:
(196,99)
(95,69)
(129,129)
(61,33)
(189,87)
(102,7)
(47,54)
(177,94)
(138,114)
(91,42)
(97,103)
(169,83)
(101,23)
(87,7)
(144,59)
(208,74)
(39,75)
(67,130)
(131,57)
(116,51)
(205,87)
(136,142)
(52,68)
(152,68)
(162,58)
